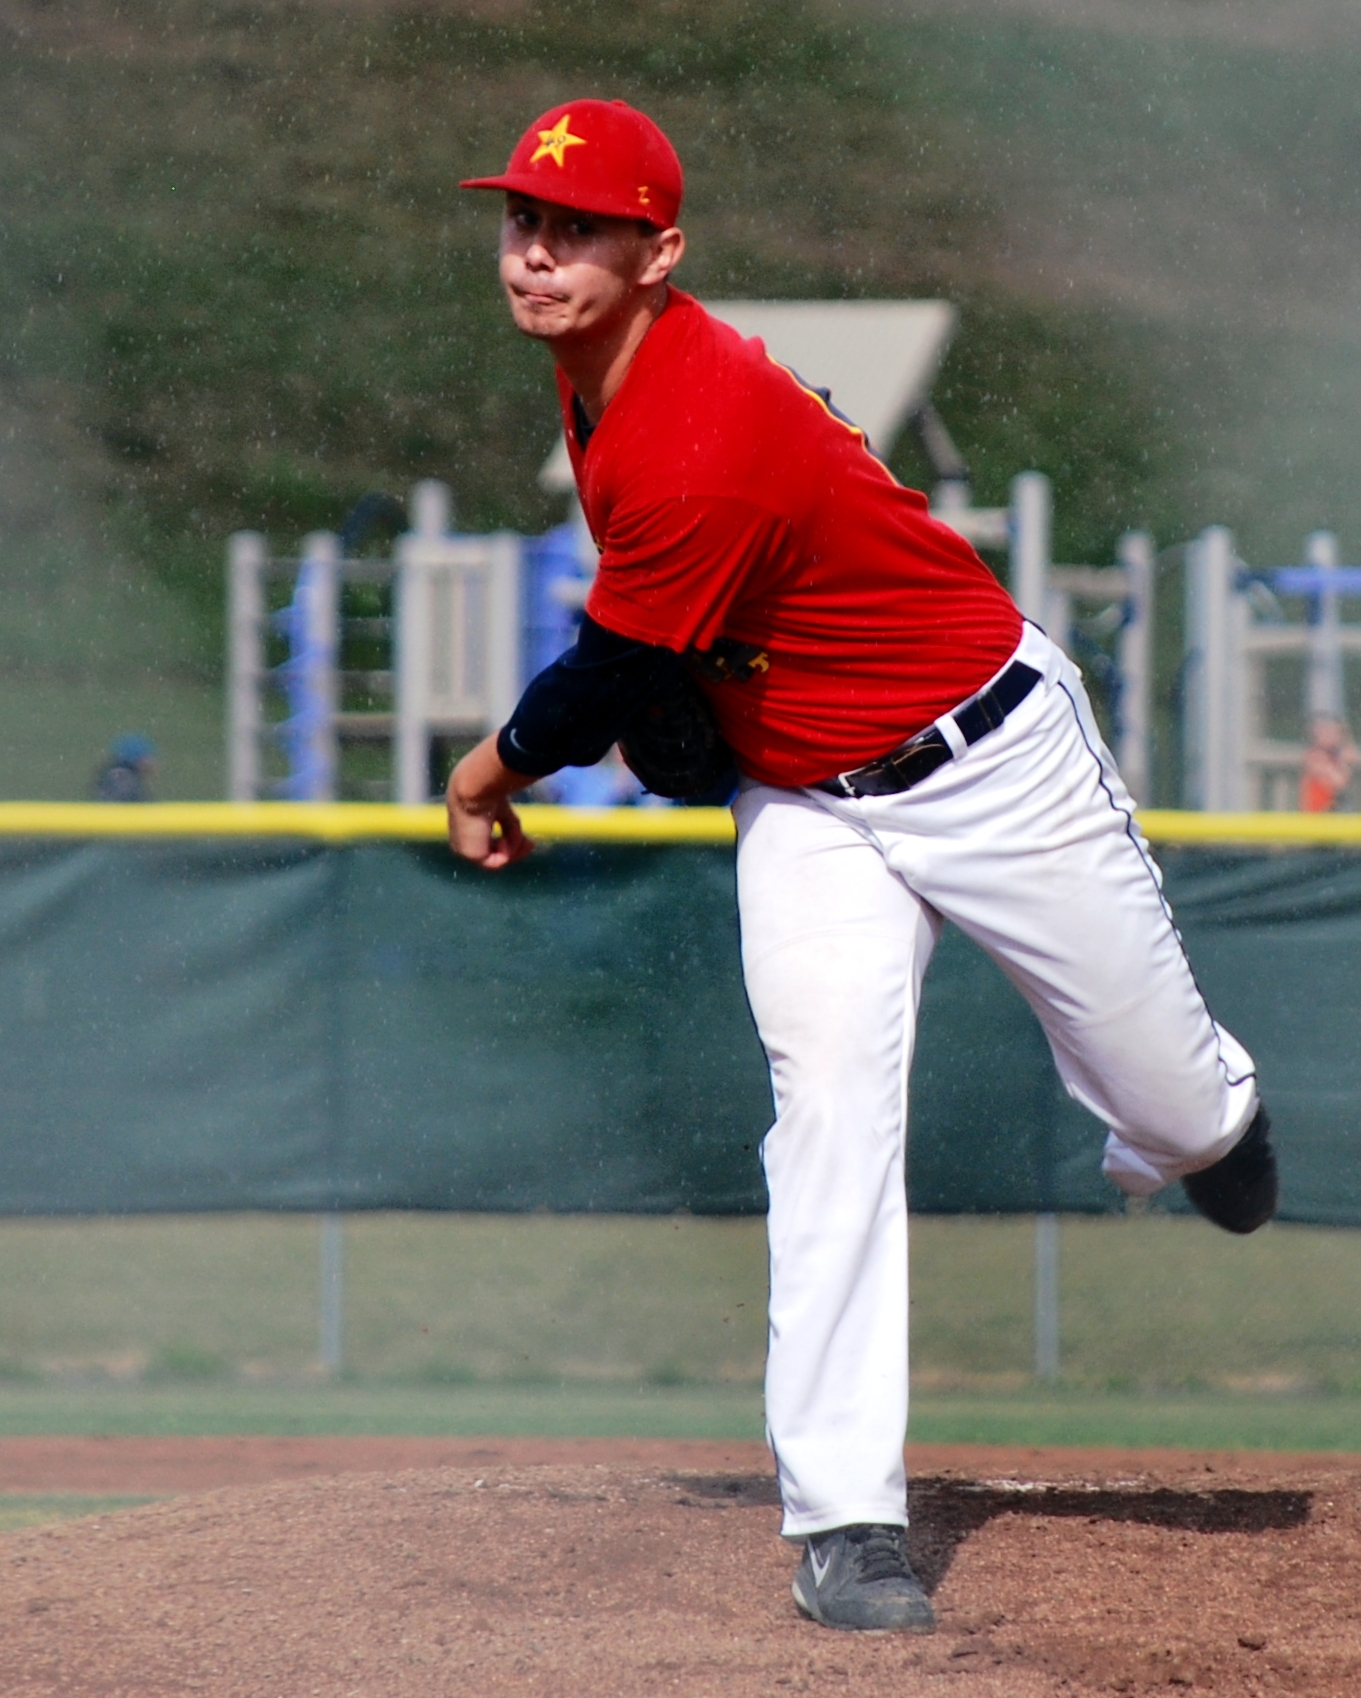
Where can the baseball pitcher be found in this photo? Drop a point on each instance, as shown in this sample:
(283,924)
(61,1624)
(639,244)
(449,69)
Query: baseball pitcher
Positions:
(907,751)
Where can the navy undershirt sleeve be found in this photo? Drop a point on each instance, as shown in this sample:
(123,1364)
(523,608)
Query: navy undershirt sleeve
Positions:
(577,707)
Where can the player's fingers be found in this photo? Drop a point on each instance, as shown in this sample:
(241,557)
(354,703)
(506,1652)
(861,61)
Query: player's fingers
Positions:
(505,852)
(513,845)
(512,832)
(488,843)
(517,850)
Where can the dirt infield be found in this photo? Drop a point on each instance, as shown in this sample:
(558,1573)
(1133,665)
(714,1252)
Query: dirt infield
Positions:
(406,1568)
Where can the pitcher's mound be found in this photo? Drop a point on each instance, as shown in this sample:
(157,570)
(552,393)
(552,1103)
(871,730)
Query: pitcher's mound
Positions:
(626,1578)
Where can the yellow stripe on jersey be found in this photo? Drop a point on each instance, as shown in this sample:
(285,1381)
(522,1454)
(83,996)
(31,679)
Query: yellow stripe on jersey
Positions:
(823,397)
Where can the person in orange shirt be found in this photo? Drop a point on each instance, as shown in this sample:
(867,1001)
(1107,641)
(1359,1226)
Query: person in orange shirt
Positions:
(1329,762)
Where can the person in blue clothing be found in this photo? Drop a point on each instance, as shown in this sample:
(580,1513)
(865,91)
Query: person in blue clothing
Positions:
(126,775)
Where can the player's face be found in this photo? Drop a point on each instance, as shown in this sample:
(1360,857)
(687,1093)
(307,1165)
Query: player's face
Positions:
(1328,733)
(573,276)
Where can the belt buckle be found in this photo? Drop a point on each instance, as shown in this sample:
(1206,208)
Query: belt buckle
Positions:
(904,752)
(894,763)
(848,783)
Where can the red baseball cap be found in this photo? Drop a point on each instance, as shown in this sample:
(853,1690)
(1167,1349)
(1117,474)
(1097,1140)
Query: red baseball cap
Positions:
(599,156)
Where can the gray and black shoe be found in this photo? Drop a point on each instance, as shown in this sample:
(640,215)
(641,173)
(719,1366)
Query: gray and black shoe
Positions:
(859,1577)
(1239,1192)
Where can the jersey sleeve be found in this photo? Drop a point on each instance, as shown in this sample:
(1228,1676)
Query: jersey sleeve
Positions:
(671,570)
(574,709)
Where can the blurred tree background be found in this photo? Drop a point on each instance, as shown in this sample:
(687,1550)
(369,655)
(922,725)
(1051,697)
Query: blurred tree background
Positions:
(241,287)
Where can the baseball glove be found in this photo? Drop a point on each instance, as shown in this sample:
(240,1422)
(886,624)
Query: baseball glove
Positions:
(673,747)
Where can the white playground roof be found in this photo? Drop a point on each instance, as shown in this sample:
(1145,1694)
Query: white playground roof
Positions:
(878,358)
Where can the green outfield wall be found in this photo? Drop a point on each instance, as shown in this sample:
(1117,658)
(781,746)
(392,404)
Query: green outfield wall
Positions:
(269,1007)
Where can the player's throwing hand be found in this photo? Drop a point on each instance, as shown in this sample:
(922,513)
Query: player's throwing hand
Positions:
(483,826)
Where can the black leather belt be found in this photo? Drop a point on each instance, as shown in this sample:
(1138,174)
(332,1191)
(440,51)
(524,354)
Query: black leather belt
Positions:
(919,757)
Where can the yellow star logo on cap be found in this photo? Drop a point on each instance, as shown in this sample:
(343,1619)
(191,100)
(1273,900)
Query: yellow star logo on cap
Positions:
(556,141)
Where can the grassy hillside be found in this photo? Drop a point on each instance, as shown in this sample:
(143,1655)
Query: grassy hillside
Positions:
(241,286)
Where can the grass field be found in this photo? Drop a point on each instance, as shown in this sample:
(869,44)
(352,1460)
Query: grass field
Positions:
(1208,1419)
(40,1510)
(564,1325)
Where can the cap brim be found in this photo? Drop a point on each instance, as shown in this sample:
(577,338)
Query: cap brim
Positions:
(533,185)
(487,183)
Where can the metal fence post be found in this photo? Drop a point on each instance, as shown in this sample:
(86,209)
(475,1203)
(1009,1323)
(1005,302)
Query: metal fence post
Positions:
(331,1295)
(1046,1297)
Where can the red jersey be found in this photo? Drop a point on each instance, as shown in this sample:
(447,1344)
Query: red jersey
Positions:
(731,505)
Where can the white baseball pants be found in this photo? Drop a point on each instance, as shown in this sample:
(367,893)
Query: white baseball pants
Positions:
(1026,841)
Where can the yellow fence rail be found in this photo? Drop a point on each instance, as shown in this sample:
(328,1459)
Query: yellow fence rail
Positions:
(357,822)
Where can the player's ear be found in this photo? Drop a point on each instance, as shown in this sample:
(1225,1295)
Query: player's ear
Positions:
(668,249)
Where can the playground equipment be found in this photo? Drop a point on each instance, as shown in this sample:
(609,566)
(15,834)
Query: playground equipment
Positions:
(307,679)
(468,619)
(1237,630)
(453,640)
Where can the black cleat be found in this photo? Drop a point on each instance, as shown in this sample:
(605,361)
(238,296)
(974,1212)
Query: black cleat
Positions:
(859,1577)
(1240,1191)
